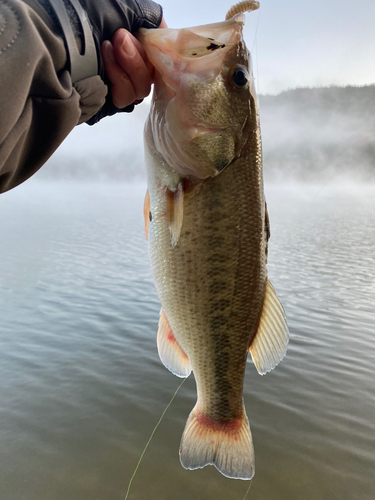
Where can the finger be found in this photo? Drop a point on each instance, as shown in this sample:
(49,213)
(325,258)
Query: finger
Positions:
(122,89)
(121,34)
(132,58)
(163,24)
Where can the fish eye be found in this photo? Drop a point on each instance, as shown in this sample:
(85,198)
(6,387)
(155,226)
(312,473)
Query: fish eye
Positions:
(240,76)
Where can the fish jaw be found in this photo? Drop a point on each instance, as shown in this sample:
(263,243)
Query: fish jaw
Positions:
(197,118)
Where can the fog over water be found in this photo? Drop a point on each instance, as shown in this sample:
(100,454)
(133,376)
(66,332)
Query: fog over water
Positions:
(309,135)
(319,135)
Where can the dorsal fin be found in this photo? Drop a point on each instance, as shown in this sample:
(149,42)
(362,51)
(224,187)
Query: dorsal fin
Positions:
(170,353)
(271,340)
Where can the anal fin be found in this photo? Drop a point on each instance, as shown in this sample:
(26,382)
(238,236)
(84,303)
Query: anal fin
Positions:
(271,340)
(170,353)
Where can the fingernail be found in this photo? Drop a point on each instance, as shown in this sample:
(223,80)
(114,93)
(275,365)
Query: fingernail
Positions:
(128,46)
(108,49)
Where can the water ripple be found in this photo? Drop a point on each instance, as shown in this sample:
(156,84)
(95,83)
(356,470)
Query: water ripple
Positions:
(81,383)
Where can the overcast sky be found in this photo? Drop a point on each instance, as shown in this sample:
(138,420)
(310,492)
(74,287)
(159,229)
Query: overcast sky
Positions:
(295,43)
(298,42)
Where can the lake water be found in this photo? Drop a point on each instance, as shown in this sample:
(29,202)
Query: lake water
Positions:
(81,384)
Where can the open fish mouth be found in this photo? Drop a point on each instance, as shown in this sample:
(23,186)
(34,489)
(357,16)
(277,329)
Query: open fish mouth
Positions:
(177,51)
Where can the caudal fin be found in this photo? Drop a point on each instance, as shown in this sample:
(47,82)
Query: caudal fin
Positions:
(226,445)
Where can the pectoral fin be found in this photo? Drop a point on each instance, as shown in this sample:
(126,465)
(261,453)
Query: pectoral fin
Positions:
(147,213)
(170,353)
(175,212)
(271,340)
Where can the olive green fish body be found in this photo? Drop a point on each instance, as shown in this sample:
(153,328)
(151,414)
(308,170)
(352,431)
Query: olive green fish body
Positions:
(211,284)
(207,226)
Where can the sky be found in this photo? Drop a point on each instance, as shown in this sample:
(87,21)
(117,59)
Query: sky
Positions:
(298,43)
(294,43)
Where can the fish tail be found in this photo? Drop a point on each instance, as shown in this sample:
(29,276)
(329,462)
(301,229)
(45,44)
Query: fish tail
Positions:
(227,445)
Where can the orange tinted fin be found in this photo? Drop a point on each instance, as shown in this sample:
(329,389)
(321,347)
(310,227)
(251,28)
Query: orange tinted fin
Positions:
(147,213)
(271,340)
(175,212)
(226,445)
(171,354)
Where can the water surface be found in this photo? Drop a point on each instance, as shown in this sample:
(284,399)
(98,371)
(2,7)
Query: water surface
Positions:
(81,385)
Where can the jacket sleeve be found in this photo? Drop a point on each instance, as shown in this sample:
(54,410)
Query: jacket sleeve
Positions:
(39,106)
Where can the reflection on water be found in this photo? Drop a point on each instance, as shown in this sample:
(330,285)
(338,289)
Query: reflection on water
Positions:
(81,385)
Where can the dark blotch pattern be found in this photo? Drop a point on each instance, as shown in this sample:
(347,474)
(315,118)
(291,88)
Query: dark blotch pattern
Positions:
(214,46)
(220,164)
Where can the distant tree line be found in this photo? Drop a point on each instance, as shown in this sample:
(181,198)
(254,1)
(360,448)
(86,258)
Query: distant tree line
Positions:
(313,134)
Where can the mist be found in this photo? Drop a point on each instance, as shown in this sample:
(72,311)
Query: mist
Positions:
(111,150)
(319,134)
(310,135)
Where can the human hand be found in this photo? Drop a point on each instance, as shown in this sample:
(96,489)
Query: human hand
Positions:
(123,64)
(127,67)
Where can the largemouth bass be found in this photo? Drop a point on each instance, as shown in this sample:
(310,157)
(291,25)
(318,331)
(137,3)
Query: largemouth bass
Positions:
(207,227)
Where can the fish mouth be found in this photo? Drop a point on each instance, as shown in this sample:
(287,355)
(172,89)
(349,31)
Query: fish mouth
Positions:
(201,41)
(201,49)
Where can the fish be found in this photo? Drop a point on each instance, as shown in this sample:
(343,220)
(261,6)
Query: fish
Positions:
(207,227)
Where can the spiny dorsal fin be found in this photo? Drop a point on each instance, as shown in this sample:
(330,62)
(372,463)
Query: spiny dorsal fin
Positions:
(146,213)
(175,209)
(170,353)
(271,340)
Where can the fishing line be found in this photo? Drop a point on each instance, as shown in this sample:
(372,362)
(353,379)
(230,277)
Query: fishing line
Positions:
(248,489)
(256,31)
(324,185)
(255,43)
(257,80)
(149,441)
